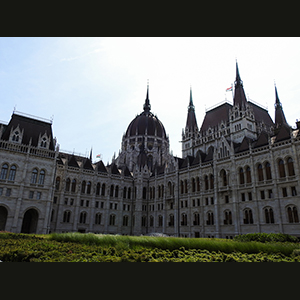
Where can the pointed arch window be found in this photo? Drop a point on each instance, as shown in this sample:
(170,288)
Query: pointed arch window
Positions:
(228,217)
(268,170)
(112,190)
(41,177)
(12,173)
(196,219)
(183,219)
(103,189)
(281,168)
(4,171)
(124,192)
(151,221)
(290,166)
(211,181)
(248,174)
(98,219)
(269,215)
(224,177)
(34,176)
(67,215)
(129,193)
(260,173)
(198,183)
(292,213)
(73,187)
(57,183)
(248,216)
(117,191)
(83,185)
(82,218)
(125,220)
(98,189)
(193,185)
(210,218)
(241,173)
(171,220)
(206,182)
(88,187)
(112,220)
(160,220)
(68,183)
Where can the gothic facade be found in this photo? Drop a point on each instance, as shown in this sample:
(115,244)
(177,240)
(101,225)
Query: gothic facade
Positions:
(239,173)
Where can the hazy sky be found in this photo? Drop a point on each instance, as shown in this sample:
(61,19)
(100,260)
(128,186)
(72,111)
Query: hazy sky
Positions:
(93,87)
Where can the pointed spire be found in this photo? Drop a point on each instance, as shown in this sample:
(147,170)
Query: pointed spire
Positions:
(279,114)
(91,153)
(147,106)
(239,98)
(191,122)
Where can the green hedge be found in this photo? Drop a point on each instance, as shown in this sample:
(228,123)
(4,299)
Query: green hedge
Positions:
(267,238)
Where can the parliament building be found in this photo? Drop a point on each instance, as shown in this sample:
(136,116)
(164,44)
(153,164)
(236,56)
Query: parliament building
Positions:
(239,173)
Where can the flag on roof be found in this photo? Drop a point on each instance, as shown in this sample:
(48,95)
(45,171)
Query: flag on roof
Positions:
(98,156)
(229,89)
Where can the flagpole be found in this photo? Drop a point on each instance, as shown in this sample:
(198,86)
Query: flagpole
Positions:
(232,91)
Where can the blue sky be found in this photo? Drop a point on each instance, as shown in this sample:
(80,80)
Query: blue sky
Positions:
(93,87)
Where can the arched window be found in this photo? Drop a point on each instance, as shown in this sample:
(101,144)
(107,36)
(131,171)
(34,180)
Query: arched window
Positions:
(193,185)
(151,221)
(88,187)
(125,220)
(170,188)
(281,168)
(98,186)
(269,215)
(185,186)
(73,187)
(98,218)
(290,166)
(241,173)
(34,175)
(248,174)
(292,213)
(117,191)
(211,181)
(41,177)
(112,190)
(144,192)
(124,192)
(210,218)
(260,173)
(12,173)
(144,221)
(83,185)
(129,193)
(68,182)
(112,220)
(196,219)
(198,184)
(57,183)
(206,182)
(268,170)
(181,187)
(248,217)
(228,217)
(67,215)
(103,190)
(160,220)
(171,220)
(183,219)
(4,171)
(82,218)
(162,190)
(223,177)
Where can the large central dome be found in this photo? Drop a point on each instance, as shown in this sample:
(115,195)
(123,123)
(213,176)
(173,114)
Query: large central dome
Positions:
(145,142)
(146,123)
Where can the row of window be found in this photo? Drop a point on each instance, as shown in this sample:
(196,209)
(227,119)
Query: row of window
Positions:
(86,188)
(9,173)
(292,217)
(264,171)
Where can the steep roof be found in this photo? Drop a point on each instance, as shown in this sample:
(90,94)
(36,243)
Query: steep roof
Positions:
(33,129)
(279,114)
(239,98)
(261,114)
(214,116)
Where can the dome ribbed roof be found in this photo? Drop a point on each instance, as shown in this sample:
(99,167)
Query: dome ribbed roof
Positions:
(146,122)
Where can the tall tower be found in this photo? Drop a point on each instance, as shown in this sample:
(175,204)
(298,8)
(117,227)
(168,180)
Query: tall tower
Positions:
(190,133)
(279,114)
(241,117)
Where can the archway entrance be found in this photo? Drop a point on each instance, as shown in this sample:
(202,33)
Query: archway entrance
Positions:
(3,217)
(30,220)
